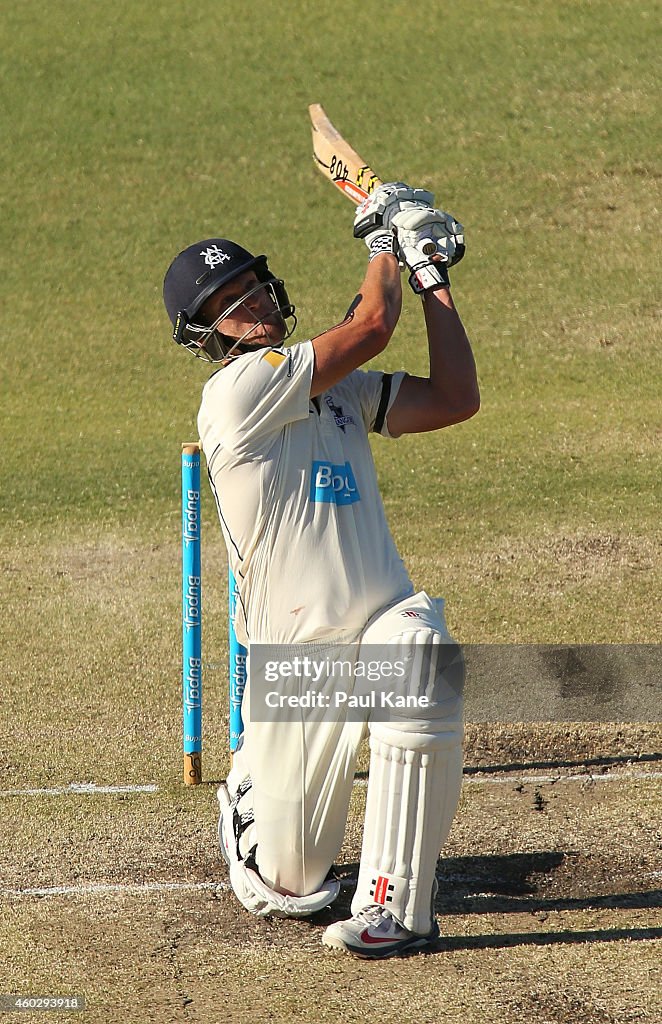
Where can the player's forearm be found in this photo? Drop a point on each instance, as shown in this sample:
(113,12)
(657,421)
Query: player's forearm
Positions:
(453,375)
(366,329)
(379,301)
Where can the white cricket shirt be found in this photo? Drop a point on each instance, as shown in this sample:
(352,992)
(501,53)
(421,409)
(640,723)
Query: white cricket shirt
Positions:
(297,496)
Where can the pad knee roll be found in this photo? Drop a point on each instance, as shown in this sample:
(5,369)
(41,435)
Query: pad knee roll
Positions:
(434,679)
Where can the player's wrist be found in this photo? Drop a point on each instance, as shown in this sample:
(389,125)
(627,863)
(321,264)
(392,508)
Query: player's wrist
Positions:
(428,276)
(381,243)
(440,295)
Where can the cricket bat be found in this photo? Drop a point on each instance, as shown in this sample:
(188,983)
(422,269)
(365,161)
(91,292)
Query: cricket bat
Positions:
(338,161)
(343,166)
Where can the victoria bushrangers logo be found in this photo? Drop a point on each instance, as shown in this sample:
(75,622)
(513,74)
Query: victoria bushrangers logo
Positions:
(341,420)
(215,256)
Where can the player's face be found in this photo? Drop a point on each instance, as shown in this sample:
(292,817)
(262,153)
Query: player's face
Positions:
(255,320)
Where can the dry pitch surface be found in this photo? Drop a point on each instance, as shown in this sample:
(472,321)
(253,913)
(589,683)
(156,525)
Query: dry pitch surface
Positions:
(549,901)
(550,884)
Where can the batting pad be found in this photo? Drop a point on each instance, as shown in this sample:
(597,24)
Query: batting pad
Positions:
(415,767)
(412,798)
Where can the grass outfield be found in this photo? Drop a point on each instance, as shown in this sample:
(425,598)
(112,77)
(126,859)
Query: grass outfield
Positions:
(131,131)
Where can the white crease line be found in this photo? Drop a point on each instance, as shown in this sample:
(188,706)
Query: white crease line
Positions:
(136,889)
(107,888)
(535,780)
(90,788)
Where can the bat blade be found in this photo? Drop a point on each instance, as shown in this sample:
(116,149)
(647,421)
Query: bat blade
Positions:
(343,166)
(337,161)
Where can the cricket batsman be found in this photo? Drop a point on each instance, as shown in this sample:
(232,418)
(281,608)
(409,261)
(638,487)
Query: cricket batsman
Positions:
(285,433)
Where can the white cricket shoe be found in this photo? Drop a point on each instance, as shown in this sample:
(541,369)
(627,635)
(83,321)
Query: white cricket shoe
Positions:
(374,934)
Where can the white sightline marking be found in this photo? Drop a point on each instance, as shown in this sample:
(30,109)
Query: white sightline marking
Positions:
(90,788)
(146,888)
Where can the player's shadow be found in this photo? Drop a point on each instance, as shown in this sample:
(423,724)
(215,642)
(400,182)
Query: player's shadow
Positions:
(550,938)
(583,762)
(507,885)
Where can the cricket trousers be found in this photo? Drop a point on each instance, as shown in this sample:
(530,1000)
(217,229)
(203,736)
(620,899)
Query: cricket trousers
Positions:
(302,762)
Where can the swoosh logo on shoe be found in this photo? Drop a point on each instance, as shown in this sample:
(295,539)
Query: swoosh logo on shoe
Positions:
(371,940)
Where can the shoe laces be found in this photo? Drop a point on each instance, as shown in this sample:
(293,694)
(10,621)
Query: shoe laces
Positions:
(376,915)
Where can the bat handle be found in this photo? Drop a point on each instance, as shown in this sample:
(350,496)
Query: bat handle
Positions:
(428,246)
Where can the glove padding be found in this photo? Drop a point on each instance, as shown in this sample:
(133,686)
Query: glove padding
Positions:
(419,228)
(381,205)
(416,226)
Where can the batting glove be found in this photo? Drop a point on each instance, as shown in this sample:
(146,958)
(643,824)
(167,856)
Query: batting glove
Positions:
(378,209)
(431,242)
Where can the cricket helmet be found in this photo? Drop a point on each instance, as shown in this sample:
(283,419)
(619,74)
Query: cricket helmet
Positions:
(195,274)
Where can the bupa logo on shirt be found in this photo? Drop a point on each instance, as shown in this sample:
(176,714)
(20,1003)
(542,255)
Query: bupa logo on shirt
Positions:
(333,484)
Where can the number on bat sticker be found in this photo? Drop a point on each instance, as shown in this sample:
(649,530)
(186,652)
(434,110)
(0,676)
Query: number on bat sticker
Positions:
(338,169)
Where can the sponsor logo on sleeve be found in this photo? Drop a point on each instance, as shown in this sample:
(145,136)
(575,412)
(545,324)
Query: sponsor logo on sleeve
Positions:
(333,484)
